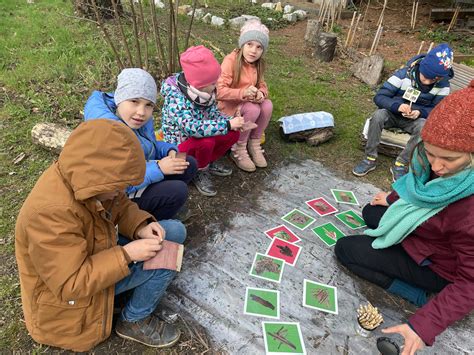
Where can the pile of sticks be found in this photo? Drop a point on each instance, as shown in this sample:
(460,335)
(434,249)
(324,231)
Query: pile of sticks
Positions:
(330,12)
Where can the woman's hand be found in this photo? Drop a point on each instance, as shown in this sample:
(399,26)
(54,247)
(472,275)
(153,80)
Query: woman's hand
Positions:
(413,342)
(380,199)
(171,165)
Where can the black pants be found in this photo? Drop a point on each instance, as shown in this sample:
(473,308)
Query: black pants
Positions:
(382,266)
(165,198)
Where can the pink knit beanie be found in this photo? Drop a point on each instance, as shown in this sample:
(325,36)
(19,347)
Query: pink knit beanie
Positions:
(254,30)
(200,66)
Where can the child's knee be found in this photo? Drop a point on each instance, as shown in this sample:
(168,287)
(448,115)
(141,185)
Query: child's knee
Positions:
(175,230)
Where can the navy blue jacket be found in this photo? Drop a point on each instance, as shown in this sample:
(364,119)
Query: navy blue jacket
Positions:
(390,95)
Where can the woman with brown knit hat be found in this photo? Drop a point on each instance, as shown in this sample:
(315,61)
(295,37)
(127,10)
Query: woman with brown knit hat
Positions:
(424,228)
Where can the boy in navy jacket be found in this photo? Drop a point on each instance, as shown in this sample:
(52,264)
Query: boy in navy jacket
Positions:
(430,74)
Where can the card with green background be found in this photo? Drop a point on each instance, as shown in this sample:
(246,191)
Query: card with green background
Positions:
(267,268)
(283,338)
(320,296)
(262,302)
(328,233)
(351,219)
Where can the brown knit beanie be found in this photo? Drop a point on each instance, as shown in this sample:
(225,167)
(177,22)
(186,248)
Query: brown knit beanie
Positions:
(450,125)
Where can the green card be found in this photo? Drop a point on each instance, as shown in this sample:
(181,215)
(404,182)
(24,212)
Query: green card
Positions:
(351,219)
(344,196)
(261,302)
(328,233)
(298,219)
(283,338)
(320,296)
(267,267)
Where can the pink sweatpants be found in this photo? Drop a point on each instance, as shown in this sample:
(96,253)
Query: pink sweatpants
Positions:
(259,114)
(208,149)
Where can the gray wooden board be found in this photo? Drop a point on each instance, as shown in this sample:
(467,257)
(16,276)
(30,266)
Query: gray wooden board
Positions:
(211,287)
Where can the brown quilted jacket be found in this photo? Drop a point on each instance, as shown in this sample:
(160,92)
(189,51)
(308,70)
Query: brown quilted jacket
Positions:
(65,239)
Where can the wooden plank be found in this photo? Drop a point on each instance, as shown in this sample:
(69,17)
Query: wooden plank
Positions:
(447,14)
(463,75)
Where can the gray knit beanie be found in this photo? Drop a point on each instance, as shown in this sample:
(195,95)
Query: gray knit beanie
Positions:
(254,30)
(135,83)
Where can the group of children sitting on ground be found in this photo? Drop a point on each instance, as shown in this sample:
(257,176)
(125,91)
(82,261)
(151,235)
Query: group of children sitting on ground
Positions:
(112,197)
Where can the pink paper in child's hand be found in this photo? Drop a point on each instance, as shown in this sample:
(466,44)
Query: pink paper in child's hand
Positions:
(169,257)
(248,126)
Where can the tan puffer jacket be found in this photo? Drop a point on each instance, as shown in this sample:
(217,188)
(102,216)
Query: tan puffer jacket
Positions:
(66,244)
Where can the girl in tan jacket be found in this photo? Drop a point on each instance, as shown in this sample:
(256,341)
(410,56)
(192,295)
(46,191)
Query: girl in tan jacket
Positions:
(242,91)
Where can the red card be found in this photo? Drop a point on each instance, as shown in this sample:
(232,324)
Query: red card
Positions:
(169,257)
(283,250)
(283,232)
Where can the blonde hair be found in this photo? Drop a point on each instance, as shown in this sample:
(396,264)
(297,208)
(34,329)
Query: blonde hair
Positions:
(260,64)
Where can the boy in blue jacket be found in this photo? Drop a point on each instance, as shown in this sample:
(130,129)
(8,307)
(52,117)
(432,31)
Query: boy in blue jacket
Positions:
(165,189)
(429,73)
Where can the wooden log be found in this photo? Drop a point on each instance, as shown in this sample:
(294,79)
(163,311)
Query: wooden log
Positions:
(50,136)
(325,47)
(313,28)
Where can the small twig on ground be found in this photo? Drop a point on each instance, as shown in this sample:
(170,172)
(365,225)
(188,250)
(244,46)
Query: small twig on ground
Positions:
(421,47)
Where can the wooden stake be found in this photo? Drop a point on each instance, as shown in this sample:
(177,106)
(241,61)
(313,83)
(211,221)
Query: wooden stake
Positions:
(454,19)
(363,22)
(355,31)
(379,22)
(421,47)
(378,39)
(414,17)
(412,13)
(430,47)
(372,48)
(350,30)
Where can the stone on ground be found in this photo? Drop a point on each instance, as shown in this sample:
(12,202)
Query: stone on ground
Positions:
(369,69)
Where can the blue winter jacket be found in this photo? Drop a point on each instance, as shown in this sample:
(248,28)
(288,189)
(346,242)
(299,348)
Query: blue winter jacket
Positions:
(102,105)
(390,95)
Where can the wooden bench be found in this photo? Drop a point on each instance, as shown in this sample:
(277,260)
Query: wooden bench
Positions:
(393,141)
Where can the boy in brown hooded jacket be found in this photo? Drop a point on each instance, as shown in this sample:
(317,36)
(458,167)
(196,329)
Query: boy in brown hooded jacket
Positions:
(69,262)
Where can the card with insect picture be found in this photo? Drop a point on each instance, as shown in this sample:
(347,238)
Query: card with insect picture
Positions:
(283,338)
(320,296)
(262,302)
(321,206)
(283,232)
(298,219)
(328,233)
(344,196)
(283,250)
(267,268)
(351,219)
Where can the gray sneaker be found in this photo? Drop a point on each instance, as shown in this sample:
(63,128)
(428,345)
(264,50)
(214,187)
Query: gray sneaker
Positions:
(364,167)
(398,171)
(204,184)
(149,331)
(219,169)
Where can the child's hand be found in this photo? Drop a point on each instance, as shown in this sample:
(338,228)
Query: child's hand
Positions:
(236,123)
(171,166)
(404,109)
(259,97)
(142,249)
(413,115)
(250,93)
(152,230)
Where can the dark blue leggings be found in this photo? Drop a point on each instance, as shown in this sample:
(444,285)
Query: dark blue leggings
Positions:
(166,197)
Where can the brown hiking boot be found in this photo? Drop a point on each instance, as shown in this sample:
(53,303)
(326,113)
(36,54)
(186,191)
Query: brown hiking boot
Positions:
(241,158)
(149,331)
(256,152)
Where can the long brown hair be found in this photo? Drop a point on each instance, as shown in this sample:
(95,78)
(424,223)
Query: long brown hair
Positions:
(260,64)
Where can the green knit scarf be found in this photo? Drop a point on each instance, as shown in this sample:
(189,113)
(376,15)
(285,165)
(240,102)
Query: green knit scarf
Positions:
(420,199)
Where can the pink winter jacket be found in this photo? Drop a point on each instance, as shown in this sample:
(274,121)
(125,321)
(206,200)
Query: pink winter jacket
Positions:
(231,97)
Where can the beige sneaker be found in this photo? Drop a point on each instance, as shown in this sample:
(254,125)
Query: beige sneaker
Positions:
(241,158)
(256,152)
